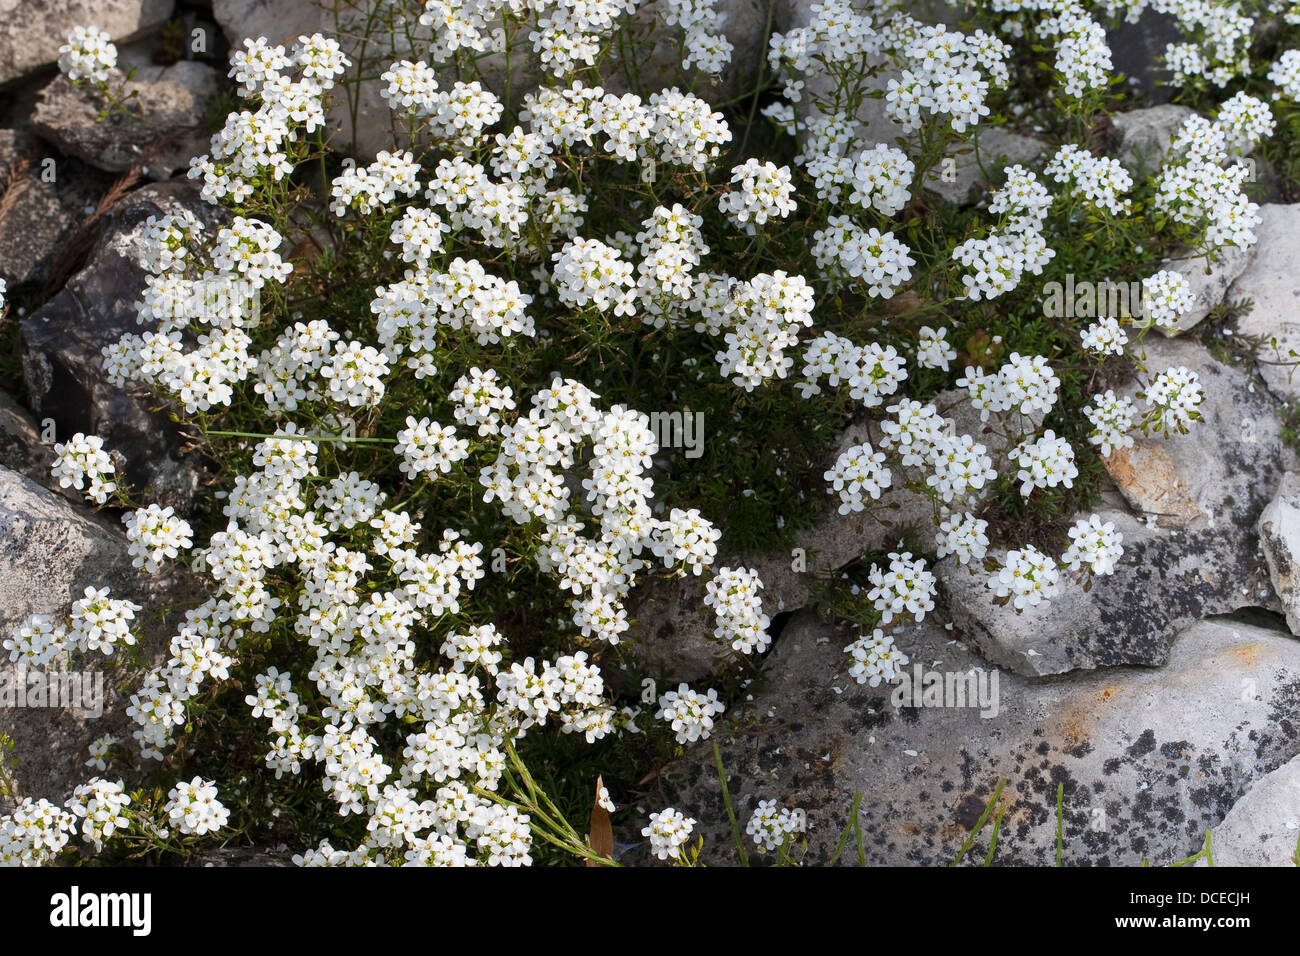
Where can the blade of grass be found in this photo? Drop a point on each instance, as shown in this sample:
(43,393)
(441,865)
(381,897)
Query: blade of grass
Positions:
(997,827)
(969,842)
(726,799)
(857,829)
(848,828)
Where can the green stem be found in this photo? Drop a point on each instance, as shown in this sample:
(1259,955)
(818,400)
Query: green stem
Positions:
(726,799)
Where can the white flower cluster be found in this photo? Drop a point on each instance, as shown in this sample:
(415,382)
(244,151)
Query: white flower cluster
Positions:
(960,467)
(82,463)
(571,35)
(1175,396)
(771,826)
(835,32)
(844,249)
(253,144)
(947,73)
(1245,121)
(859,469)
(480,400)
(964,536)
(914,433)
(1094,545)
(1199,187)
(765,322)
(1099,180)
(872,372)
(100,805)
(461,114)
(690,713)
(366,189)
(689,539)
(587,272)
(193,808)
(733,595)
(1285,74)
(1112,418)
(1105,337)
(156,534)
(34,833)
(1217,51)
(88,54)
(761,191)
(668,832)
(1082,54)
(906,587)
(1027,576)
(706,46)
(1046,462)
(1166,297)
(37,641)
(671,247)
(932,348)
(1026,383)
(429,448)
(875,659)
(998,261)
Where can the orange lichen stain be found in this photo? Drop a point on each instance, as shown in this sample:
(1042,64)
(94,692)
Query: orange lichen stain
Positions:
(1247,653)
(1149,477)
(1074,729)
(1108,693)
(911,828)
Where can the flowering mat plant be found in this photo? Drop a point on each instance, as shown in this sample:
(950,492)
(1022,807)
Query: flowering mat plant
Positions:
(425,374)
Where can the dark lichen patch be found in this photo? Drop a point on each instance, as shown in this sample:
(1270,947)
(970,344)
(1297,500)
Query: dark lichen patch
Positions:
(1175,750)
(1145,744)
(969,810)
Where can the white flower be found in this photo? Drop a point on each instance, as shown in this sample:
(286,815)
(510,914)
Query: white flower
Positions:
(1166,297)
(875,659)
(88,55)
(770,826)
(1093,544)
(1044,463)
(963,535)
(690,714)
(733,595)
(1112,417)
(906,587)
(193,808)
(1027,576)
(859,470)
(668,832)
(763,191)
(156,534)
(82,463)
(1175,396)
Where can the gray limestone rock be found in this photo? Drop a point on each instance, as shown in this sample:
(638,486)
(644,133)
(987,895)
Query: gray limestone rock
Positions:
(1149,759)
